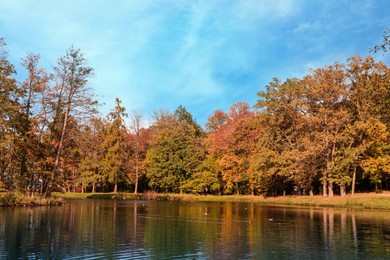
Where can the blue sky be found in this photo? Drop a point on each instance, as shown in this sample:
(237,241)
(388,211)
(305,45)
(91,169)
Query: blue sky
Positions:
(204,55)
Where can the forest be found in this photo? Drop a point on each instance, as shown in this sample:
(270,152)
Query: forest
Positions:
(325,133)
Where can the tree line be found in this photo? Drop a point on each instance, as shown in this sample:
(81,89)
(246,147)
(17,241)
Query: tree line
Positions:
(326,133)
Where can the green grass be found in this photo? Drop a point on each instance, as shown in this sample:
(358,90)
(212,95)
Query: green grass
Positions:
(366,200)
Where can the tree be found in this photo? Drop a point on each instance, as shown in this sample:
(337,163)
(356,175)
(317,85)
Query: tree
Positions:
(385,45)
(174,154)
(205,178)
(231,139)
(136,139)
(92,153)
(9,112)
(33,88)
(216,121)
(326,90)
(368,102)
(369,145)
(114,160)
(73,96)
(184,116)
(283,115)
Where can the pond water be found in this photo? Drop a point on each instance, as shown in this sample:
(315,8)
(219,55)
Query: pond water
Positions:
(110,229)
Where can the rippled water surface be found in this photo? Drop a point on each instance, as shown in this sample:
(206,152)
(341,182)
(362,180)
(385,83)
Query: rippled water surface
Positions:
(107,229)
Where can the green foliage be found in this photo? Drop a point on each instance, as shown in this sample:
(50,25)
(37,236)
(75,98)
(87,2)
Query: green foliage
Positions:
(205,180)
(114,146)
(184,116)
(173,157)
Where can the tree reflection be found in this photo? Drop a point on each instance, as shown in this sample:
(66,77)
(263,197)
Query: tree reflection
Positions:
(163,229)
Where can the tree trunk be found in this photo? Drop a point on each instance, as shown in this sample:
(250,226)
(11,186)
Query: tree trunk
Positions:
(26,126)
(32,185)
(42,188)
(56,162)
(136,176)
(330,189)
(324,186)
(136,185)
(342,189)
(353,180)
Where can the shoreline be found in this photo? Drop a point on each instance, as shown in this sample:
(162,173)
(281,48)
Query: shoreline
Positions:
(357,201)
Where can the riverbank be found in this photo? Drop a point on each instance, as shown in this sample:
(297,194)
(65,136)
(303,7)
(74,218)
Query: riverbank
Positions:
(11,199)
(361,200)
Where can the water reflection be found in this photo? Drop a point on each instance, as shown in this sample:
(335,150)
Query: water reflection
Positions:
(97,229)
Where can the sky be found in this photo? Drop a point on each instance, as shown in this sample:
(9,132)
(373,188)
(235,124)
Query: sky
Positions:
(204,55)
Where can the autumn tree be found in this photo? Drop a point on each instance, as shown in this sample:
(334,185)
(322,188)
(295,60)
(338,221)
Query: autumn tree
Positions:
(230,141)
(74,97)
(323,126)
(326,90)
(240,142)
(32,121)
(138,138)
(279,156)
(9,109)
(369,103)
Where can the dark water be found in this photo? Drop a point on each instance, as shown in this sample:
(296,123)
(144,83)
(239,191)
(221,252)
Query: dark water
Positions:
(105,229)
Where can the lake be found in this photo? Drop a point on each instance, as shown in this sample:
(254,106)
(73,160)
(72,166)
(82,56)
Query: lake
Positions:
(116,229)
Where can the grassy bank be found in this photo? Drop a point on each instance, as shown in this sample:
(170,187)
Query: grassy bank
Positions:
(12,199)
(364,200)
